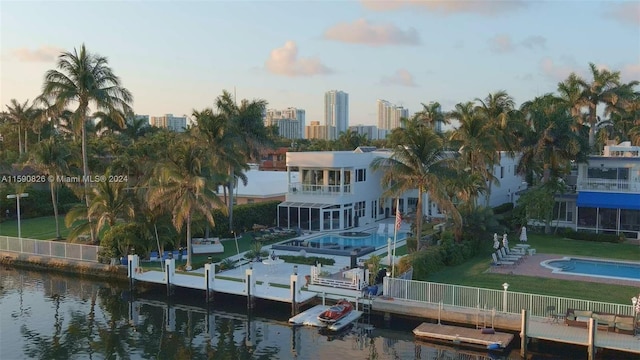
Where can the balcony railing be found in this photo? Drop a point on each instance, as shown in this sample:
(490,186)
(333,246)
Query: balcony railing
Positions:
(608,185)
(325,190)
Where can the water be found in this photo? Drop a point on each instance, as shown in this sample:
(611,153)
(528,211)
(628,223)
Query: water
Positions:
(596,268)
(375,240)
(45,316)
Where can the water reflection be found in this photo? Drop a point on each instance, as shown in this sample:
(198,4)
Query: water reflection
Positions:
(44,316)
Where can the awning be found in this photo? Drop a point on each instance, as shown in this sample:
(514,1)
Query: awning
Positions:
(609,200)
(303,205)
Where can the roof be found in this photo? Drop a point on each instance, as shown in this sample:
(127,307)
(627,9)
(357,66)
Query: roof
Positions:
(264,184)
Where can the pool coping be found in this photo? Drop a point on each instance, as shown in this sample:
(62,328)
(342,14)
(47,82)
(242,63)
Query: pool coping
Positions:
(556,270)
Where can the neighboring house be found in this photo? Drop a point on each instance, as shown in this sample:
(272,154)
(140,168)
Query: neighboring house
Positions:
(336,190)
(261,186)
(274,159)
(608,193)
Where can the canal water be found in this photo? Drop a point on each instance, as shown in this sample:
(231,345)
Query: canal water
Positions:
(51,316)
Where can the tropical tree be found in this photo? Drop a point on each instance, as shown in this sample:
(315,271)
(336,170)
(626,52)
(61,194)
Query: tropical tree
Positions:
(52,157)
(418,161)
(432,114)
(181,184)
(21,115)
(85,79)
(351,140)
(603,88)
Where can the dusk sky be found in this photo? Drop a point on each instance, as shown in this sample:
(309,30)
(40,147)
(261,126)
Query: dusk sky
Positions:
(176,56)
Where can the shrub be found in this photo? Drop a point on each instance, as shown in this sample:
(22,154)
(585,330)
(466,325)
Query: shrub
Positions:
(501,209)
(588,236)
(307,260)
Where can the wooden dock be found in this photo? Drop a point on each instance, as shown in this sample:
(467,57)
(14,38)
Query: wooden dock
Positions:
(463,336)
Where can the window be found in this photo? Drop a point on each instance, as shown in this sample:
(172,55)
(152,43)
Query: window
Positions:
(374,205)
(361,175)
(359,209)
(501,172)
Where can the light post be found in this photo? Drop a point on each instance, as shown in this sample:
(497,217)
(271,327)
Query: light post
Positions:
(505,286)
(17,197)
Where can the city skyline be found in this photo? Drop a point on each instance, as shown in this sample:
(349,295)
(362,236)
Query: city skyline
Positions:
(181,55)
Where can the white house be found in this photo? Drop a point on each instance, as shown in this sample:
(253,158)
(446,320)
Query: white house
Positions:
(336,190)
(608,194)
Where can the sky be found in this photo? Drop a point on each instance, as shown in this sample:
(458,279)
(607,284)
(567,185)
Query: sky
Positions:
(177,56)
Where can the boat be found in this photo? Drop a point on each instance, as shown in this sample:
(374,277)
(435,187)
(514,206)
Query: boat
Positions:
(336,312)
(206,246)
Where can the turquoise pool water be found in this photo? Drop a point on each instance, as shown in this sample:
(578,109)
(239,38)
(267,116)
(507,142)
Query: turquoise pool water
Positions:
(337,241)
(596,268)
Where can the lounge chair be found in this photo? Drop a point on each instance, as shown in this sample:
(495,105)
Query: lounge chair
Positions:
(502,254)
(382,229)
(500,262)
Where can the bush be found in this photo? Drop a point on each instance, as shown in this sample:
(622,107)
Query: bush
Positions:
(307,260)
(501,209)
(588,236)
(425,262)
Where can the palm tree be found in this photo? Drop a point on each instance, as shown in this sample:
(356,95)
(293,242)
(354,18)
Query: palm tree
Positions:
(418,161)
(476,138)
(85,79)
(245,135)
(51,157)
(432,114)
(571,94)
(602,89)
(181,186)
(350,140)
(21,115)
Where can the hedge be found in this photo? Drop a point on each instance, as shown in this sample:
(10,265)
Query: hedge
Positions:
(589,236)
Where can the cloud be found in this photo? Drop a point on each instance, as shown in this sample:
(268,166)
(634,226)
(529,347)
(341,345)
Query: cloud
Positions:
(41,54)
(487,8)
(501,44)
(285,61)
(363,32)
(626,12)
(401,77)
(555,71)
(630,72)
(533,42)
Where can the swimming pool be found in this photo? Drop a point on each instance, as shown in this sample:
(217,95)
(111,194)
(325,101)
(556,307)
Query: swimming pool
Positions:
(621,270)
(345,242)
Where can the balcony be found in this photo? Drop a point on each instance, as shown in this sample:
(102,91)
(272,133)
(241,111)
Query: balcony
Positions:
(322,190)
(608,185)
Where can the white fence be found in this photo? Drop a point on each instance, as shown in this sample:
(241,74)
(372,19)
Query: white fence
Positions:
(57,249)
(501,300)
(353,279)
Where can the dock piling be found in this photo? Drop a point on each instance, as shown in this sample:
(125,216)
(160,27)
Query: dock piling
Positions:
(523,333)
(249,281)
(170,267)
(591,339)
(209,278)
(293,284)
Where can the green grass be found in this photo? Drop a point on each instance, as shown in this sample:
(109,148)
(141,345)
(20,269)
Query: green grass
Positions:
(42,228)
(473,273)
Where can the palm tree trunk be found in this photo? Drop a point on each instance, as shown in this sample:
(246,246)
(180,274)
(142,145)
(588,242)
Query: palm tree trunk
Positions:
(19,140)
(25,140)
(55,208)
(418,219)
(85,168)
(230,198)
(188,265)
(592,123)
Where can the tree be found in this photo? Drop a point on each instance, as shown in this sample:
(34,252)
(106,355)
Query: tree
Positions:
(431,114)
(51,157)
(21,115)
(85,79)
(181,186)
(604,88)
(418,161)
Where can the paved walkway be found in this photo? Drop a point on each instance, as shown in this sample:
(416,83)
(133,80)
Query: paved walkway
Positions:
(530,266)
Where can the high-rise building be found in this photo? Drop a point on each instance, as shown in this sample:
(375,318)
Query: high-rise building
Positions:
(389,115)
(370,131)
(168,121)
(290,122)
(336,111)
(317,131)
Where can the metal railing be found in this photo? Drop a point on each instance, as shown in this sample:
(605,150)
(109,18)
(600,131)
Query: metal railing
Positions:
(501,300)
(607,185)
(327,190)
(57,249)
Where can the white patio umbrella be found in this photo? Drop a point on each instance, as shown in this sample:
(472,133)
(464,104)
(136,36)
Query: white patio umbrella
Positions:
(496,243)
(523,234)
(505,242)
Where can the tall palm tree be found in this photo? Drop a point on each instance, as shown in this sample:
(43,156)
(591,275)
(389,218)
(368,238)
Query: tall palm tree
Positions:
(181,186)
(21,115)
(245,131)
(85,79)
(476,138)
(604,88)
(572,95)
(52,157)
(431,114)
(418,161)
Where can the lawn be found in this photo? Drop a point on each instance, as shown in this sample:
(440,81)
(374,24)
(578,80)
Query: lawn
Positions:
(473,273)
(43,228)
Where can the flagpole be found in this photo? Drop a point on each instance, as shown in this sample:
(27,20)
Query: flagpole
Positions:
(395,237)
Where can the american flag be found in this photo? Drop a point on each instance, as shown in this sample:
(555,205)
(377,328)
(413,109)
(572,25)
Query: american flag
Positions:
(398,219)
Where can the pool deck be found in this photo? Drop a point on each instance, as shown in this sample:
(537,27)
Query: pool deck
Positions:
(530,266)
